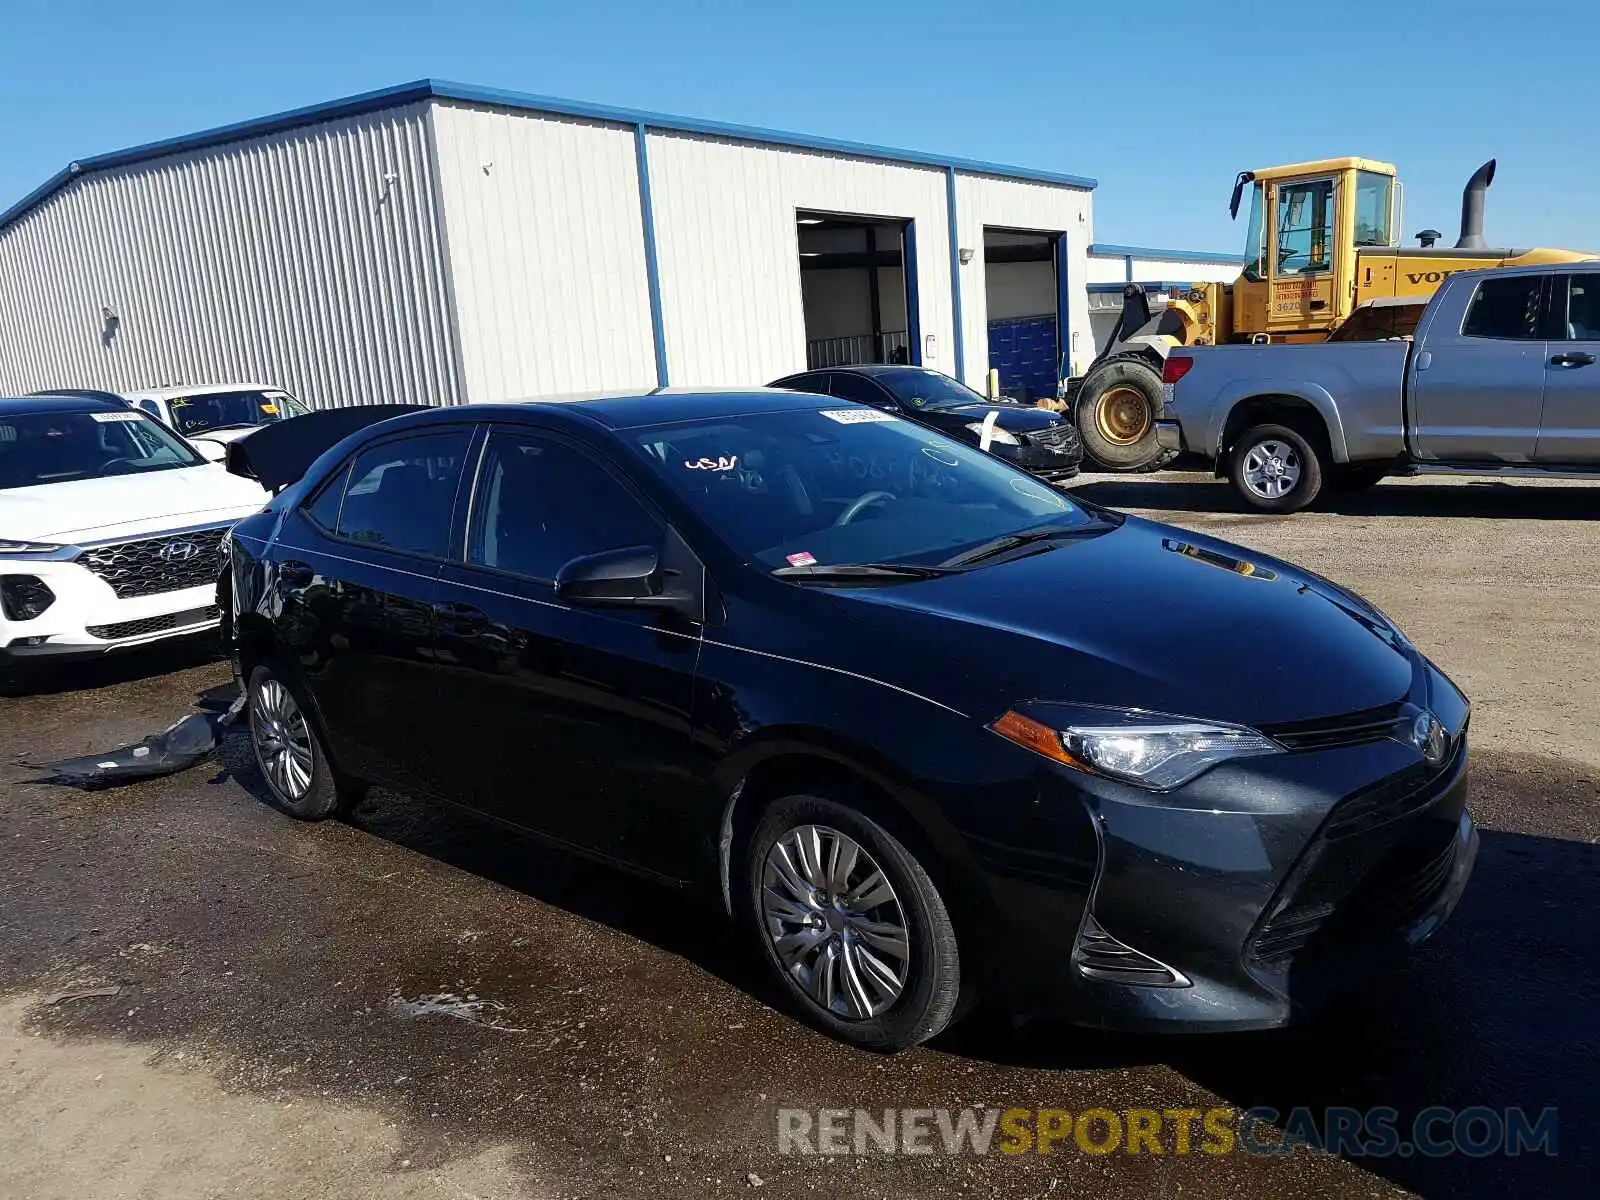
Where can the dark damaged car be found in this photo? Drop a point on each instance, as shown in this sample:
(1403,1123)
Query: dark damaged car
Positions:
(1041,442)
(914,729)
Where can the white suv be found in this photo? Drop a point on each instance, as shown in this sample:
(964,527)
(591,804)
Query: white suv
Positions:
(217,412)
(111,530)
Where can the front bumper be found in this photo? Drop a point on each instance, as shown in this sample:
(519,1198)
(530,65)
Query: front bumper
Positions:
(88,618)
(1059,459)
(1253,897)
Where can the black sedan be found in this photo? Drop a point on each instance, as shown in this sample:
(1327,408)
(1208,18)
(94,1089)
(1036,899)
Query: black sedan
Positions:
(898,705)
(1039,441)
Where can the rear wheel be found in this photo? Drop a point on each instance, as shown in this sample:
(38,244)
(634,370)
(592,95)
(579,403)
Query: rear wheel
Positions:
(290,755)
(1275,469)
(1118,406)
(852,925)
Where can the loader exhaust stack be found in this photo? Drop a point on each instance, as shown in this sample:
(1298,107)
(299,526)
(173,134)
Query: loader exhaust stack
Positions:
(1472,198)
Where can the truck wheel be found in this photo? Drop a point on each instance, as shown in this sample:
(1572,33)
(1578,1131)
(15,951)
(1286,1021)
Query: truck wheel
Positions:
(1275,469)
(1118,405)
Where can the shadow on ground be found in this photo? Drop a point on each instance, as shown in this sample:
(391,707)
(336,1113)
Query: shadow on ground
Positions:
(1485,498)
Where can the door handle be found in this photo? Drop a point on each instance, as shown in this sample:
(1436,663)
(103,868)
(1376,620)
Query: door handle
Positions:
(1571,360)
(296,573)
(1316,304)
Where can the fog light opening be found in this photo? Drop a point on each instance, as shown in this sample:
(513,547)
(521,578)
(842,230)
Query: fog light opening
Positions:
(24,597)
(1100,956)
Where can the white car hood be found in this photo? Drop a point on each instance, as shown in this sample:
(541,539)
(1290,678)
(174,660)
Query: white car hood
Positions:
(83,510)
(221,436)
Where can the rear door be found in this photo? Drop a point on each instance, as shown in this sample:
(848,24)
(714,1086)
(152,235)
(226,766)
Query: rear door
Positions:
(1477,390)
(1569,429)
(356,569)
(570,721)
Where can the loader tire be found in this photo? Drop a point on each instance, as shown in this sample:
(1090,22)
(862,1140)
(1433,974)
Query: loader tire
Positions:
(1118,406)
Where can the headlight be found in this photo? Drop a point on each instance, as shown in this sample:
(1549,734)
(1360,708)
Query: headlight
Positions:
(1003,436)
(1150,750)
(13,546)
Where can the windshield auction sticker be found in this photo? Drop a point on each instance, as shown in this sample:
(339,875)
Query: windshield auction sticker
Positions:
(117,416)
(856,416)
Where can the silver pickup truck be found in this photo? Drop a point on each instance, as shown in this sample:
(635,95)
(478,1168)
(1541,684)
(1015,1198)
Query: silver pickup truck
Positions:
(1500,378)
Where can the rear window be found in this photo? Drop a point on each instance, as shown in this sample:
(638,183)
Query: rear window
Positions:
(402,493)
(1506,308)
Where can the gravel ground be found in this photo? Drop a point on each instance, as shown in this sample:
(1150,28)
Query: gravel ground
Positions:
(199,997)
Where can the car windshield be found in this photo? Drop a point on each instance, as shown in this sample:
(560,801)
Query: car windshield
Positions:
(38,448)
(928,389)
(223,410)
(846,486)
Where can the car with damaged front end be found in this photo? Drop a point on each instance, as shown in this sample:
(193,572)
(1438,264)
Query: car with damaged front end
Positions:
(895,702)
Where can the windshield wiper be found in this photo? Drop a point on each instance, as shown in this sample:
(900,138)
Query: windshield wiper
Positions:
(847,571)
(1012,541)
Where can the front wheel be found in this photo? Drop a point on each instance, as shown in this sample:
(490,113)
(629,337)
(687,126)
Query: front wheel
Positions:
(290,755)
(852,925)
(1275,469)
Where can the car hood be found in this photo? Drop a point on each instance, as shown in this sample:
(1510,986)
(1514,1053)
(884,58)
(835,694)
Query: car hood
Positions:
(117,505)
(1146,616)
(1018,418)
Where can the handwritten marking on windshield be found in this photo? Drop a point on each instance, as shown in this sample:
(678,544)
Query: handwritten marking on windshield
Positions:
(725,462)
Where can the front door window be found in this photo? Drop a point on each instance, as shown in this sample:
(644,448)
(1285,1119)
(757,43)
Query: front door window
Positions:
(1305,227)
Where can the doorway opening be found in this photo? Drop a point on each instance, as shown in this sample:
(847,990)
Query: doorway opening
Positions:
(855,290)
(1024,280)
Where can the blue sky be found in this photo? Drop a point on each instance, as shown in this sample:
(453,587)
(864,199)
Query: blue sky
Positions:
(1162,107)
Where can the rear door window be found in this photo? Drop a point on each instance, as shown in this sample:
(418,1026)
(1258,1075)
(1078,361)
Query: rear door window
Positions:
(541,503)
(1506,308)
(402,492)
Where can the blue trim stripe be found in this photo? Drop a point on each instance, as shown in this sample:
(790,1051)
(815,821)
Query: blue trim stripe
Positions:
(913,297)
(955,273)
(652,268)
(1063,310)
(1109,250)
(439,89)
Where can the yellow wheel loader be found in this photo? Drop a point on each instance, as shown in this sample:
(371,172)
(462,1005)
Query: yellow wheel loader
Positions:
(1322,260)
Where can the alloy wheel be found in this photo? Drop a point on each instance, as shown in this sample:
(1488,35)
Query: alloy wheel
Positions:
(835,922)
(282,740)
(1272,469)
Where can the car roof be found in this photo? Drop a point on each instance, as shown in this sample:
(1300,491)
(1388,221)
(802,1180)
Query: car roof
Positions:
(199,389)
(14,406)
(874,369)
(658,406)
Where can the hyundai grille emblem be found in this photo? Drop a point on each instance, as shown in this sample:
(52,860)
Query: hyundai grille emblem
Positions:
(178,552)
(1428,735)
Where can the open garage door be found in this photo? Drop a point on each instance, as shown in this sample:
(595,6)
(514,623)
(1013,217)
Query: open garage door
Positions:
(855,287)
(1024,278)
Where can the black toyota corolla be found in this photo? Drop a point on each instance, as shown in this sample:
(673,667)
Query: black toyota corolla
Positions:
(900,707)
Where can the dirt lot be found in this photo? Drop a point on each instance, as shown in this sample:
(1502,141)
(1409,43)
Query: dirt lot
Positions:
(199,997)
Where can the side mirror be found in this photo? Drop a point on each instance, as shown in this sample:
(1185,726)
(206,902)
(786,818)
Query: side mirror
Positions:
(628,578)
(209,450)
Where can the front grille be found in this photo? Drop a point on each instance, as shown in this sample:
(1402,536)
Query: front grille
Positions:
(1352,729)
(1375,866)
(128,629)
(167,563)
(1062,438)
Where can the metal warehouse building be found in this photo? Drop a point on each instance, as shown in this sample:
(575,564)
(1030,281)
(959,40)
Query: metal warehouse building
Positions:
(446,243)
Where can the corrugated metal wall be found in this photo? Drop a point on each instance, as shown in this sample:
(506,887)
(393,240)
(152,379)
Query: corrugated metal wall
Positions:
(542,219)
(1014,204)
(730,259)
(309,258)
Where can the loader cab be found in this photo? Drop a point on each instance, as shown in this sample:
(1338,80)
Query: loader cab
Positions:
(1306,222)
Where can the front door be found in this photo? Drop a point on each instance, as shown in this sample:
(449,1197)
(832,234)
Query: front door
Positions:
(1302,252)
(572,722)
(1476,393)
(1569,428)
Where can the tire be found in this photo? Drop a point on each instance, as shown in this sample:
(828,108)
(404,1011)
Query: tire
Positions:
(1296,458)
(1117,408)
(859,990)
(289,752)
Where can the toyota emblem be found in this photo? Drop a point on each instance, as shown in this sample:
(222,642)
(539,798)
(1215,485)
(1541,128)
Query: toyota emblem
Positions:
(1428,736)
(178,552)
